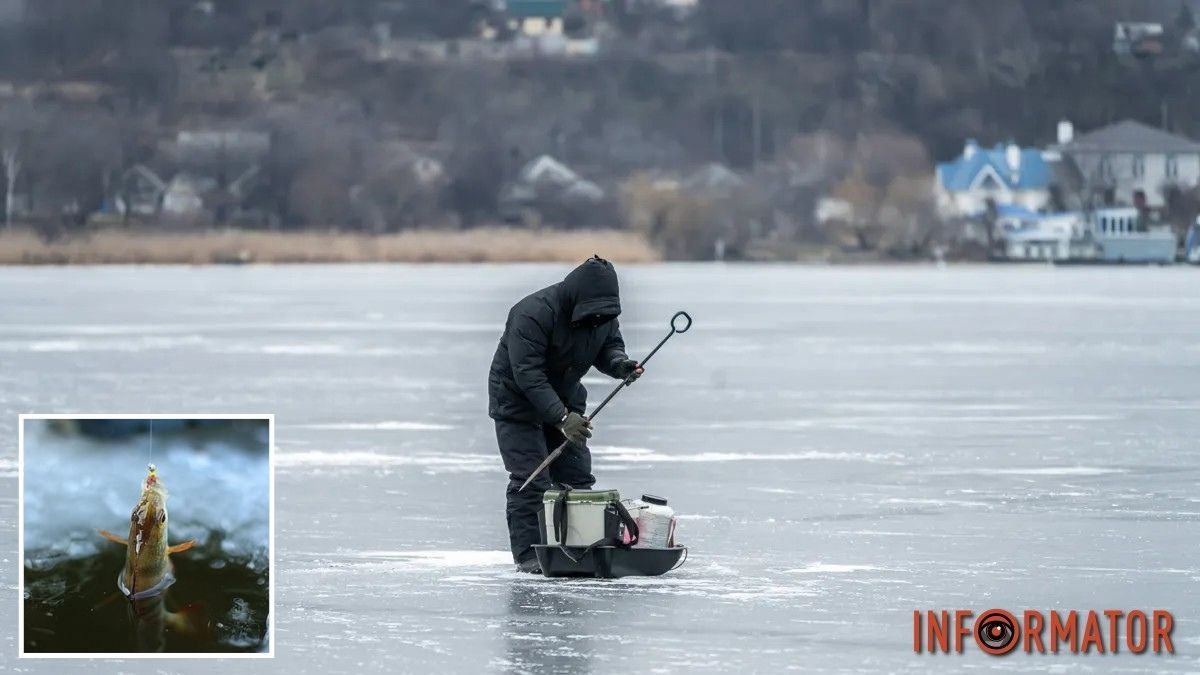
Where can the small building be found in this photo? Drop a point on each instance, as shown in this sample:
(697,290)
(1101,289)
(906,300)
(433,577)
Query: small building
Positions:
(1108,235)
(536,17)
(222,146)
(1130,163)
(546,186)
(1029,236)
(139,192)
(548,171)
(713,178)
(1119,234)
(1004,174)
(833,210)
(1137,38)
(1122,235)
(184,196)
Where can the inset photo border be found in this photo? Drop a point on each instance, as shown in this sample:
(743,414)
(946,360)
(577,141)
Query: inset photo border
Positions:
(146,535)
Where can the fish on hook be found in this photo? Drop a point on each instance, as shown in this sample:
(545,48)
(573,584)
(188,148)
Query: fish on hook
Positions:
(148,570)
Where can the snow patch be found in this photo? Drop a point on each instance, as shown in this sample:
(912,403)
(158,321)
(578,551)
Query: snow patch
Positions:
(1059,471)
(390,425)
(100,344)
(831,568)
(1032,471)
(361,458)
(619,454)
(440,559)
(932,502)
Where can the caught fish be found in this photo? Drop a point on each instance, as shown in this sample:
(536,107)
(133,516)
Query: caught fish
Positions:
(148,571)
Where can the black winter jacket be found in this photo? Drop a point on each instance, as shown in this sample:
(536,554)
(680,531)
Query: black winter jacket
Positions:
(551,339)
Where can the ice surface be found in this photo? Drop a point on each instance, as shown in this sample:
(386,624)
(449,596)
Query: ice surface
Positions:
(390,425)
(844,445)
(647,455)
(359,458)
(832,568)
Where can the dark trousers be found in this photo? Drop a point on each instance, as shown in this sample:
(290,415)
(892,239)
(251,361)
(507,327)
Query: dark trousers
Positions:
(524,445)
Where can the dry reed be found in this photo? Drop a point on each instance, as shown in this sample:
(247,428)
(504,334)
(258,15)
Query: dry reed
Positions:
(493,244)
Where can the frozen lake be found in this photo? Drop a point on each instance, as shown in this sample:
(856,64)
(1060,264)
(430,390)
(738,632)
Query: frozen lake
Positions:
(846,445)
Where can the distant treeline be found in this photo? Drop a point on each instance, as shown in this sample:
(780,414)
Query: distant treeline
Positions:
(799,99)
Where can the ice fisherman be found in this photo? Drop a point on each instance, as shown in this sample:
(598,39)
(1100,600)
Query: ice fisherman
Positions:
(551,339)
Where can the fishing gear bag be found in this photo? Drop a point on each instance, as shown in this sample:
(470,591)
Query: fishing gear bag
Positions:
(586,519)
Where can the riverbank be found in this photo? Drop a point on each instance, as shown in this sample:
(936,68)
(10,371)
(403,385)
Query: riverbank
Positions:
(101,247)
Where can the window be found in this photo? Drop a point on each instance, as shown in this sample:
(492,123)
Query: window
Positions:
(1139,166)
(1172,166)
(1105,168)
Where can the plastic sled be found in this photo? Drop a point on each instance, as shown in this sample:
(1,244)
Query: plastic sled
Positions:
(608,562)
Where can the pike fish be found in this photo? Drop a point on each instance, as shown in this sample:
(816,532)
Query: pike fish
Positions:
(148,571)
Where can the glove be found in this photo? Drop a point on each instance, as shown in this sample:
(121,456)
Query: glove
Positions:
(576,428)
(626,367)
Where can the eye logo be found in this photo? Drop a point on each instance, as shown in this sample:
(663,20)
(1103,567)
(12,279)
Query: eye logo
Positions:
(996,632)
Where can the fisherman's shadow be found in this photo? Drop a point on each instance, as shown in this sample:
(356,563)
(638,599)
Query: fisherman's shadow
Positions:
(547,629)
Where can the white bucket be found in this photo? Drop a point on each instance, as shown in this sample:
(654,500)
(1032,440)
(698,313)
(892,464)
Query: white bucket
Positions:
(656,522)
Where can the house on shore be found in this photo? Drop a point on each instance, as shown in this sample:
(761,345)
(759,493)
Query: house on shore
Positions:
(1004,174)
(1107,235)
(198,177)
(1138,38)
(547,190)
(536,17)
(1101,197)
(1130,163)
(1125,235)
(1026,235)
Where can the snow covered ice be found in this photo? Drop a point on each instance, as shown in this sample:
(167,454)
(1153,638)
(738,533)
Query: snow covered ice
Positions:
(844,445)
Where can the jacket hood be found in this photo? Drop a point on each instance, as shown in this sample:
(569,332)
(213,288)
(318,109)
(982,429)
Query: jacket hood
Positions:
(591,289)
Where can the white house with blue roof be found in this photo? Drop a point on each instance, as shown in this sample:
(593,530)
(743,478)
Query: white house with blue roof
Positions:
(1004,174)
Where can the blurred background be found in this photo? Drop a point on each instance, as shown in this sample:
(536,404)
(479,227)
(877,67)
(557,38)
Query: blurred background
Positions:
(83,475)
(684,129)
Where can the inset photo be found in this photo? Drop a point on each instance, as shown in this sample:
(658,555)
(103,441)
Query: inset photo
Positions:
(144,535)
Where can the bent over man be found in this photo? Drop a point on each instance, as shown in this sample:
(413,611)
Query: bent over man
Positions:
(551,339)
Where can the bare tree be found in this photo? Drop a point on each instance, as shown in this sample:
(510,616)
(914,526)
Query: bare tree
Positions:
(10,158)
(17,121)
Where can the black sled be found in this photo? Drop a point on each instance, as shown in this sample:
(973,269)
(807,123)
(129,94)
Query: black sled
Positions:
(611,556)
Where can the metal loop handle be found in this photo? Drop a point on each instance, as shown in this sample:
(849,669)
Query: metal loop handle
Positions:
(685,315)
(624,383)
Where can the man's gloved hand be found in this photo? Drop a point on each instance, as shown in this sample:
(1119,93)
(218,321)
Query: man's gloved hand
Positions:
(627,367)
(576,428)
